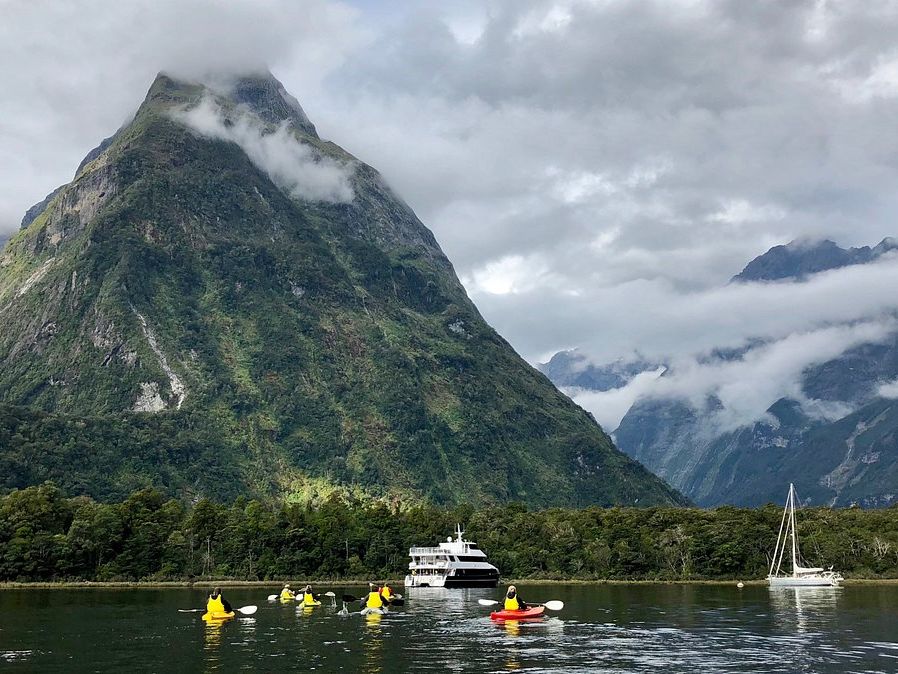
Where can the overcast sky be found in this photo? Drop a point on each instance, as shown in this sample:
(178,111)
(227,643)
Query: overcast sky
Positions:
(595,170)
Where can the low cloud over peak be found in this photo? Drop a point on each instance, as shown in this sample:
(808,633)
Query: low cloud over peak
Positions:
(292,165)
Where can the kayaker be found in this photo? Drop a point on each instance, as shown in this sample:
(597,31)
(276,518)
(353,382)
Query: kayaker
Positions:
(309,599)
(512,601)
(287,593)
(374,599)
(386,593)
(216,604)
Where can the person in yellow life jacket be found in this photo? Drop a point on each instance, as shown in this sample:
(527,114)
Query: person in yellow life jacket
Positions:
(374,599)
(308,599)
(386,593)
(216,604)
(287,594)
(512,601)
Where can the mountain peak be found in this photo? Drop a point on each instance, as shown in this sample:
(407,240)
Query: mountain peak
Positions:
(219,303)
(799,259)
(261,92)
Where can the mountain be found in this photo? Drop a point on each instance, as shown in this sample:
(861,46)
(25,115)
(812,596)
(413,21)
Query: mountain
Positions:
(842,452)
(221,303)
(797,260)
(573,369)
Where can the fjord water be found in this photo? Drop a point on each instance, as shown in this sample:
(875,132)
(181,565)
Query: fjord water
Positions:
(605,628)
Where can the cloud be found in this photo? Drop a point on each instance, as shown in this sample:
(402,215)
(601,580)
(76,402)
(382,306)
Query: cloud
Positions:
(609,407)
(73,73)
(782,328)
(888,390)
(292,165)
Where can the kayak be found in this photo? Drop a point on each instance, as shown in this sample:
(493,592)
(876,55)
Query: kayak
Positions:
(373,611)
(532,612)
(218,617)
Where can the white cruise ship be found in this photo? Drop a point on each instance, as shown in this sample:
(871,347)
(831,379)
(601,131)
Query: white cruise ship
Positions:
(455,563)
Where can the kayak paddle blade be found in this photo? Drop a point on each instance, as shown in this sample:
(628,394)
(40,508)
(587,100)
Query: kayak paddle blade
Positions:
(272,597)
(487,602)
(554,605)
(349,598)
(248,610)
(329,594)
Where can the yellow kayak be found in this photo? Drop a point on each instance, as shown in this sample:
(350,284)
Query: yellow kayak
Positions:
(218,617)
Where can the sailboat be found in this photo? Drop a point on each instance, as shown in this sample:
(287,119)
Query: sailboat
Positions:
(801,575)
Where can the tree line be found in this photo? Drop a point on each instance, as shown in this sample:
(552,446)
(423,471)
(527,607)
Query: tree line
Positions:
(45,536)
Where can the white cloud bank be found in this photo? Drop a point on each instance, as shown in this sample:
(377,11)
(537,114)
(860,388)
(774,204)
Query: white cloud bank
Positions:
(293,166)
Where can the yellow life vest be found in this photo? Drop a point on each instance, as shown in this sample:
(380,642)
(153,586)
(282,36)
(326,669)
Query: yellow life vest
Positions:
(511,603)
(308,599)
(287,594)
(374,600)
(215,605)
(386,592)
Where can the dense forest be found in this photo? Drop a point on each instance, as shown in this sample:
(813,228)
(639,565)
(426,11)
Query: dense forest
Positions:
(45,536)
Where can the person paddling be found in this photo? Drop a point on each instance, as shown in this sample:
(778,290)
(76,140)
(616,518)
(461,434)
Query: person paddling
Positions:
(287,594)
(374,599)
(309,599)
(386,593)
(512,601)
(216,604)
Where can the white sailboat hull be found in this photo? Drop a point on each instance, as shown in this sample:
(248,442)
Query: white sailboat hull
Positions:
(804,581)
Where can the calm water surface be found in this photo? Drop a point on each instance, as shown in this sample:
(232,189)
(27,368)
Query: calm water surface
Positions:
(677,628)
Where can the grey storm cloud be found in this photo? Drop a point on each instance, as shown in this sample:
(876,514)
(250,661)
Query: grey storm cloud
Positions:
(596,170)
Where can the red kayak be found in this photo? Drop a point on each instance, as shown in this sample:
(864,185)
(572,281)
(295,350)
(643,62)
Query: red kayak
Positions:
(532,612)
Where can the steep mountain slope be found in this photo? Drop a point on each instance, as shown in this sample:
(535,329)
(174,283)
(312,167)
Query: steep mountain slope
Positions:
(222,303)
(843,451)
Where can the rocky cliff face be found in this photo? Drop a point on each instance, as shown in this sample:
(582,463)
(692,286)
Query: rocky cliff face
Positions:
(222,303)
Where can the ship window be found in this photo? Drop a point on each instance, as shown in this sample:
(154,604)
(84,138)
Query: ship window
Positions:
(472,546)
(468,558)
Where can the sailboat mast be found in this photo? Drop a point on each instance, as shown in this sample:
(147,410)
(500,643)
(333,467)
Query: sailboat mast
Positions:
(792,520)
(777,560)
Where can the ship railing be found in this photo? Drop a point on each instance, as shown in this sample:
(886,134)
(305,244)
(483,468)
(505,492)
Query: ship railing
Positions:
(440,563)
(425,551)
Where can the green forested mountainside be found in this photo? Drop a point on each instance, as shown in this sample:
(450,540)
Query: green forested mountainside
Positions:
(173,318)
(44,536)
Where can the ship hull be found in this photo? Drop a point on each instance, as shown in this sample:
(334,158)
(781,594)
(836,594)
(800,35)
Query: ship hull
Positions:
(814,581)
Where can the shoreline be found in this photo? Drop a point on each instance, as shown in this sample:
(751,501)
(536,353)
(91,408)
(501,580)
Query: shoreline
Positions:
(205,584)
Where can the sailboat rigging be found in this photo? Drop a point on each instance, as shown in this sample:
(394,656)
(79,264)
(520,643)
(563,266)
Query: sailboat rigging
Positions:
(801,575)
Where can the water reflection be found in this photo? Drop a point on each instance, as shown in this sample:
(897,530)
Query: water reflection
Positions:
(374,644)
(212,643)
(804,609)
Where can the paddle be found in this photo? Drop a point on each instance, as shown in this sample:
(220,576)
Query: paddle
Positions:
(554,605)
(245,610)
(399,601)
(300,597)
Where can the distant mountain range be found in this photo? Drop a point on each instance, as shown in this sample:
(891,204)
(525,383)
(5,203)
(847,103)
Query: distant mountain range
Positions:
(799,260)
(853,459)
